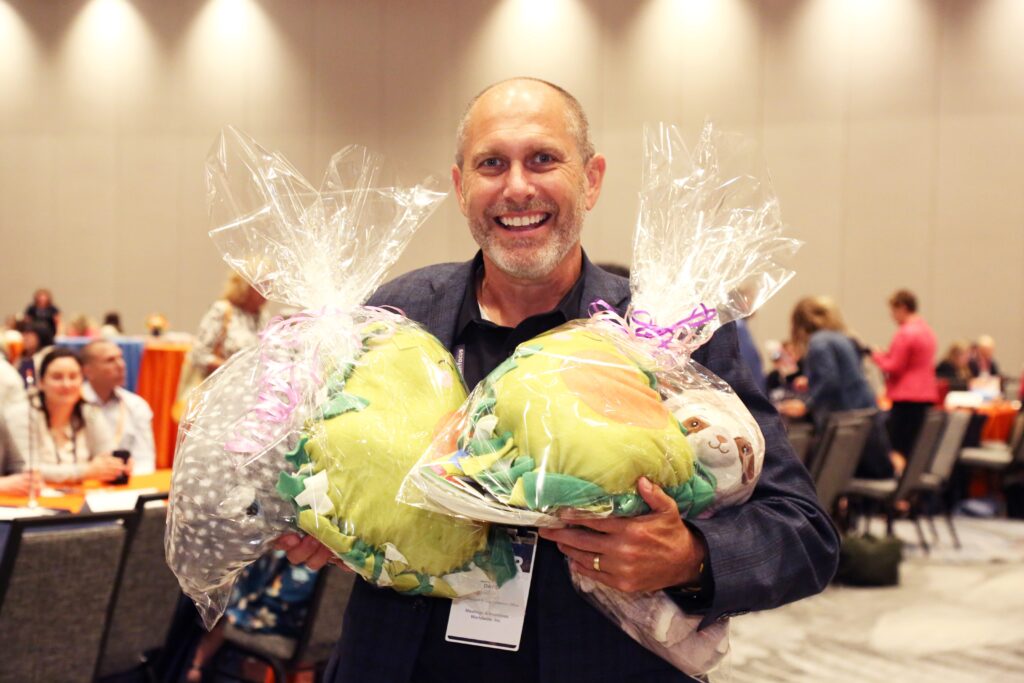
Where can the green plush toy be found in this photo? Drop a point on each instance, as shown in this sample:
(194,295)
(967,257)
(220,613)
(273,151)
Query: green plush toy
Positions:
(570,420)
(379,417)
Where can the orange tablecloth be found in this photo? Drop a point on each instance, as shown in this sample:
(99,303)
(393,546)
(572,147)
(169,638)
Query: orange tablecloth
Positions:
(13,348)
(999,423)
(75,498)
(158,384)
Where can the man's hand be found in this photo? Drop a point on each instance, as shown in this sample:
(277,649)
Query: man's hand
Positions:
(793,407)
(106,467)
(637,554)
(308,551)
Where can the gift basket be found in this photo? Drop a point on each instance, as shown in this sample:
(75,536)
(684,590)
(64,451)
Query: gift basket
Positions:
(575,416)
(314,428)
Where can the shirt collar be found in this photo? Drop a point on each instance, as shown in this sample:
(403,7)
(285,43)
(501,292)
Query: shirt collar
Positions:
(89,395)
(469,312)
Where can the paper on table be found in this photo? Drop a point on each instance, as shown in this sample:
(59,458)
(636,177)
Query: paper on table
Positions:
(110,501)
(9,513)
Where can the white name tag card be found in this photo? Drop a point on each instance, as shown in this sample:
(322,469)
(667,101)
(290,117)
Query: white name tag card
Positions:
(494,618)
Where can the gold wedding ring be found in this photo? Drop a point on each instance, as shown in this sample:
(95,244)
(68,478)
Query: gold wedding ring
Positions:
(597,563)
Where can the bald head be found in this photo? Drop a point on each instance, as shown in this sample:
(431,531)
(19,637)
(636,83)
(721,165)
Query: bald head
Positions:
(522,87)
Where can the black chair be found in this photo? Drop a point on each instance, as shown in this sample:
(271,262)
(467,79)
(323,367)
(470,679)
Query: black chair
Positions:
(320,632)
(889,492)
(146,599)
(801,436)
(838,453)
(58,580)
(935,480)
(997,455)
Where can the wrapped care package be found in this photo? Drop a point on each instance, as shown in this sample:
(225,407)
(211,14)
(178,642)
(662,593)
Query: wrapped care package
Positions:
(575,416)
(314,428)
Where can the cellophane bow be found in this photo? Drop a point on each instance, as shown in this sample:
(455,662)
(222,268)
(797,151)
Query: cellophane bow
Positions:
(314,427)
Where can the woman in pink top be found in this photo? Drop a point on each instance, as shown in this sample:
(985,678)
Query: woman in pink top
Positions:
(909,367)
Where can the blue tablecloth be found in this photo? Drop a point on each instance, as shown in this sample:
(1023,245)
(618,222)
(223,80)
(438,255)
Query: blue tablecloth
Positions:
(131,348)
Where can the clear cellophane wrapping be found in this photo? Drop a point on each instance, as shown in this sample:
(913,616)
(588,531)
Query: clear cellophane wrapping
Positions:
(578,414)
(314,428)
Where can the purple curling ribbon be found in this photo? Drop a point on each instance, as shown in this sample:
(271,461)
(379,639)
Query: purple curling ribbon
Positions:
(289,373)
(642,326)
(282,379)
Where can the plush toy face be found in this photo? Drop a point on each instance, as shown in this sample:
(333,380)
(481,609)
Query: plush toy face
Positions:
(725,439)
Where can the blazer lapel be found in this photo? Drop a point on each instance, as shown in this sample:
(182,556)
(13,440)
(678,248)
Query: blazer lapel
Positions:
(444,310)
(600,285)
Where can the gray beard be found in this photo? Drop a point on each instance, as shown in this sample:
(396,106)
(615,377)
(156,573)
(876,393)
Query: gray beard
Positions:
(538,263)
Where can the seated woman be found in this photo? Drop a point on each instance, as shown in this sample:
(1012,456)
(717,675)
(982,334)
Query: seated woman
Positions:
(70,441)
(835,380)
(955,367)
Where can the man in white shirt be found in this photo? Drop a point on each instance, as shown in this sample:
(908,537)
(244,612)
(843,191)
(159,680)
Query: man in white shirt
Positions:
(129,416)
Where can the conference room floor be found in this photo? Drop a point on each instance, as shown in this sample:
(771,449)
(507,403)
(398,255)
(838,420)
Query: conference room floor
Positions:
(957,616)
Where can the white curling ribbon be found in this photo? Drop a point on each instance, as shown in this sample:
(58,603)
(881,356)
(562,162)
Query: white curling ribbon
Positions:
(465,583)
(315,494)
(485,426)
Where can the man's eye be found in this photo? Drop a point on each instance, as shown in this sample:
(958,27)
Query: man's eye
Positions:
(490,163)
(543,158)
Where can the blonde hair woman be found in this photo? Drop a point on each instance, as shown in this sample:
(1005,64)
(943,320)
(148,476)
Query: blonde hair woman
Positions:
(231,324)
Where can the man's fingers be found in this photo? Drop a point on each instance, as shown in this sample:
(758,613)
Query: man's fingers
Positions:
(655,497)
(286,542)
(581,539)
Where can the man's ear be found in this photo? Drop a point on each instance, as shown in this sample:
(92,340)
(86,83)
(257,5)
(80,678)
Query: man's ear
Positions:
(457,184)
(594,171)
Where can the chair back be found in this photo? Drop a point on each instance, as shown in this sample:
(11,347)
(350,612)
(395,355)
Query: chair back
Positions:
(148,594)
(922,453)
(800,435)
(1017,439)
(845,435)
(948,449)
(326,612)
(58,578)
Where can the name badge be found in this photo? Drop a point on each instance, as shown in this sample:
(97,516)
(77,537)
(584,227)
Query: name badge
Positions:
(494,618)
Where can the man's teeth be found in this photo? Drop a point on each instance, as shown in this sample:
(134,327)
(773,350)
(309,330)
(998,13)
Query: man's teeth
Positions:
(521,221)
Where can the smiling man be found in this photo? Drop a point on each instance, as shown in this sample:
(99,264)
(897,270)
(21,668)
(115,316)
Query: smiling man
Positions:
(525,176)
(129,416)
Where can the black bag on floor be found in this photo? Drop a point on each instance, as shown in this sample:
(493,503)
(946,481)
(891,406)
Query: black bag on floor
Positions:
(866,560)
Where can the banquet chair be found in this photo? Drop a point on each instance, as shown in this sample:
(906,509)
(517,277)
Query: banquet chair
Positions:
(890,492)
(998,455)
(320,631)
(146,599)
(58,579)
(838,452)
(935,479)
(801,436)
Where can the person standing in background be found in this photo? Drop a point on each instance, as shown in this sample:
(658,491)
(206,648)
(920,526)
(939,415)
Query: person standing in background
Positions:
(43,311)
(909,367)
(231,324)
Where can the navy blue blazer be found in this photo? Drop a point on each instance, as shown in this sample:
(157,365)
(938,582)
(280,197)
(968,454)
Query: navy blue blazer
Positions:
(778,547)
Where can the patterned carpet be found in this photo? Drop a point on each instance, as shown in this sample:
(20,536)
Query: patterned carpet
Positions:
(957,617)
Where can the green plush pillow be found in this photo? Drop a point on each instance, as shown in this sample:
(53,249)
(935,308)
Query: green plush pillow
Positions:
(378,420)
(572,421)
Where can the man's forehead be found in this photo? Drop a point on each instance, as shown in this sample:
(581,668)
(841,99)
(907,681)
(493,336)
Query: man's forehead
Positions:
(105,352)
(520,103)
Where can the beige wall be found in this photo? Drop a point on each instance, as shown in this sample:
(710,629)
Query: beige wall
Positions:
(894,130)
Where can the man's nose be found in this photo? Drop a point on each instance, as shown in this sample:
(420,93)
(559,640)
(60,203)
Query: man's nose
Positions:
(518,185)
